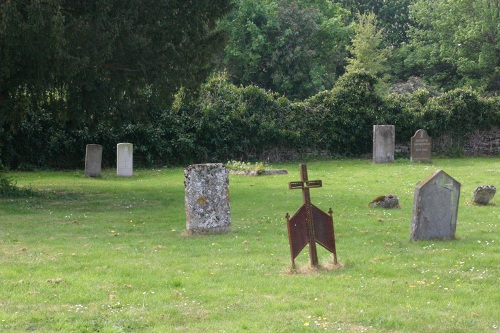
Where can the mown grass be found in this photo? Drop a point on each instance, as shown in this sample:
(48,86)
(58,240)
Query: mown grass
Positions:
(111,255)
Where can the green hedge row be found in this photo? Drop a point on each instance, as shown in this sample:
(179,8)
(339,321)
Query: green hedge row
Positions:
(227,122)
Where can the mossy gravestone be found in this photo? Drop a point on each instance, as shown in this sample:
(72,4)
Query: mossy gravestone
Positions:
(207,198)
(435,207)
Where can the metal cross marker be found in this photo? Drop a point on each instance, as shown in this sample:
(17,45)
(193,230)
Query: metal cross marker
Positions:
(309,224)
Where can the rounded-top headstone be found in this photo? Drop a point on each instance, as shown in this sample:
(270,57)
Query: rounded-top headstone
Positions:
(207,198)
(125,159)
(383,143)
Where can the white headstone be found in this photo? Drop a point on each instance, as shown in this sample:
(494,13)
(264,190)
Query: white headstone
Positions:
(93,160)
(435,207)
(384,138)
(125,159)
(207,198)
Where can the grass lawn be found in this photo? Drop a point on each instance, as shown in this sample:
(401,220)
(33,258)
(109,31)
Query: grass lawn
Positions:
(111,255)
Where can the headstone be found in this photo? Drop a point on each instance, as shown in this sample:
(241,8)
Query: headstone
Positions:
(435,207)
(483,194)
(125,159)
(207,198)
(93,160)
(383,143)
(421,147)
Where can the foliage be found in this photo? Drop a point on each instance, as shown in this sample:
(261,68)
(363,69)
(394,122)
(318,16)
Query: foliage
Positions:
(246,166)
(295,48)
(455,43)
(92,61)
(393,17)
(366,53)
(10,189)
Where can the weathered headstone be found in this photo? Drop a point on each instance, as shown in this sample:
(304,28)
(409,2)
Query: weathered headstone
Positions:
(483,194)
(421,147)
(383,143)
(207,198)
(93,160)
(125,159)
(385,201)
(435,207)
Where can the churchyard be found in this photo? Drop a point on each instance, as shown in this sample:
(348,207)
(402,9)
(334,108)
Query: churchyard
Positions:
(111,254)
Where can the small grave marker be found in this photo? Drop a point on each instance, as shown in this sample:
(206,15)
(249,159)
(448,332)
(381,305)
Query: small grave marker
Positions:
(435,207)
(309,224)
(93,160)
(483,194)
(207,199)
(125,159)
(421,147)
(383,143)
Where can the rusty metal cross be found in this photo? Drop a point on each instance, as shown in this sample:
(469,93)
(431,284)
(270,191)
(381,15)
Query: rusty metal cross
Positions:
(309,224)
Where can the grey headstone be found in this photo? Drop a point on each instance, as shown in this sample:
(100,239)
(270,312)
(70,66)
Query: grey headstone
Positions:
(207,198)
(435,207)
(125,159)
(93,160)
(483,194)
(421,147)
(383,143)
(385,201)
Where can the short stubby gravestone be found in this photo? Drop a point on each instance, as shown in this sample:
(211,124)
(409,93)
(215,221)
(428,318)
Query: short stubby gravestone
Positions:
(125,159)
(207,198)
(483,194)
(421,147)
(93,160)
(435,207)
(383,143)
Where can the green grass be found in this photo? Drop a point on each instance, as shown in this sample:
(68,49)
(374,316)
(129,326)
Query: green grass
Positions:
(111,255)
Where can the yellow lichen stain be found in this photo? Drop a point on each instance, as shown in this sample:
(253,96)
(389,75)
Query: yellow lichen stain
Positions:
(201,200)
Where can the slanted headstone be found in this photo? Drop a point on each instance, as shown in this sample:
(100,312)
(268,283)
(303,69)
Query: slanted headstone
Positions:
(383,143)
(435,207)
(207,198)
(125,159)
(421,147)
(93,160)
(483,194)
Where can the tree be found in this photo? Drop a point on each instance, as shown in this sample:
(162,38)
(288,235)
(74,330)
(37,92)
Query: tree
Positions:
(86,60)
(457,43)
(296,48)
(367,56)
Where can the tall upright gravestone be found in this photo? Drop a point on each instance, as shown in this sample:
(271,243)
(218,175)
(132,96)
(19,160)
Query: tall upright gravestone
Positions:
(435,207)
(125,159)
(207,198)
(383,143)
(421,147)
(93,160)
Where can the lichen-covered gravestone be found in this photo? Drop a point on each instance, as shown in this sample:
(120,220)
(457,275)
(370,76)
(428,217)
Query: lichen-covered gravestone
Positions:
(421,147)
(435,207)
(383,143)
(125,159)
(93,160)
(207,198)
